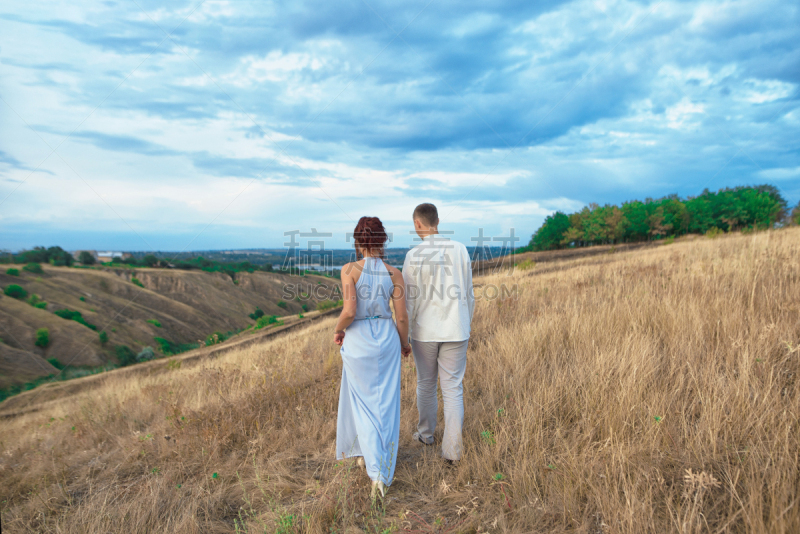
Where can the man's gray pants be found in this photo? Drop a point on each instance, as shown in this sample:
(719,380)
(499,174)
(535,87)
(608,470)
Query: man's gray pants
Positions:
(446,360)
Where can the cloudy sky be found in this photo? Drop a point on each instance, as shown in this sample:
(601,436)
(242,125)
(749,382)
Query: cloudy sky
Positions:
(147,125)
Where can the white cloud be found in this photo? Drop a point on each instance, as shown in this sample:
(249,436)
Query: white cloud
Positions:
(779,174)
(622,100)
(761,91)
(680,115)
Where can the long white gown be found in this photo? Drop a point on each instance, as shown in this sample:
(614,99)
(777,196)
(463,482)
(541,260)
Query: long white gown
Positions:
(369,400)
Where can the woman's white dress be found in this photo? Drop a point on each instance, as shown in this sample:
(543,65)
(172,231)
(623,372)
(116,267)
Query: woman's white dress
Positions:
(369,400)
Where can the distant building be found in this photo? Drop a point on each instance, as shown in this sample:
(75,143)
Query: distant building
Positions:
(107,256)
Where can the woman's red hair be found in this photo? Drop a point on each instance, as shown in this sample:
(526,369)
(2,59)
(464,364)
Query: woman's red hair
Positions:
(370,235)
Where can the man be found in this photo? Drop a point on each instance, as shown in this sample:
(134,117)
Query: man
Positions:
(440,303)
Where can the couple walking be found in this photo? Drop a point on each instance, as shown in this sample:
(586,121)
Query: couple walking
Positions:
(433,306)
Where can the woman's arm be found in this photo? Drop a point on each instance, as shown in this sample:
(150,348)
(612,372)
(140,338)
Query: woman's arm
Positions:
(349,308)
(400,312)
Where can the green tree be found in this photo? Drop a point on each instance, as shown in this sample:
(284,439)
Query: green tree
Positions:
(53,255)
(795,217)
(595,230)
(728,209)
(125,355)
(86,258)
(59,257)
(265,321)
(550,234)
(657,224)
(12,272)
(34,268)
(636,212)
(37,255)
(72,315)
(617,224)
(572,236)
(15,291)
(42,337)
(103,337)
(150,260)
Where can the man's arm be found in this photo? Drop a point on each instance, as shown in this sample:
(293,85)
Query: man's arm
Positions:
(411,290)
(468,284)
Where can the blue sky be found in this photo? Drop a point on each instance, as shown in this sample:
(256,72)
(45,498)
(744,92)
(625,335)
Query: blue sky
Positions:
(194,125)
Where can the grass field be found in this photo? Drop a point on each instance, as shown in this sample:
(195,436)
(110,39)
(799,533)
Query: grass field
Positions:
(644,391)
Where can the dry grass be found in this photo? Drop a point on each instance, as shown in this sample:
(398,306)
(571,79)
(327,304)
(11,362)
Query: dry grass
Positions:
(648,391)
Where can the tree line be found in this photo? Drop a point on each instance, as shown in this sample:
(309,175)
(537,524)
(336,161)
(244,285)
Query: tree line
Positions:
(59,257)
(729,209)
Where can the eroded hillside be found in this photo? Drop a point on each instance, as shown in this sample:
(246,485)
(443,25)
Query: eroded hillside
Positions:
(179,306)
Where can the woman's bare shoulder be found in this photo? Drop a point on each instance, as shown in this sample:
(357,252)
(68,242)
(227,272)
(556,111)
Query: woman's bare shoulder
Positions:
(352,269)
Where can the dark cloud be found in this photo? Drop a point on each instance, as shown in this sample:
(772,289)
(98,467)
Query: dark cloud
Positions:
(643,99)
(7,159)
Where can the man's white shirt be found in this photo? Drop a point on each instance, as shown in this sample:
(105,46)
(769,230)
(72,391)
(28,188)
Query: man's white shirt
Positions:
(439,297)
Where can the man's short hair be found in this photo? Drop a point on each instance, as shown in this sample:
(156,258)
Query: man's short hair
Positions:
(427,213)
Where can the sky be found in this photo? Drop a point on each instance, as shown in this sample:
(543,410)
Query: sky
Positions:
(143,125)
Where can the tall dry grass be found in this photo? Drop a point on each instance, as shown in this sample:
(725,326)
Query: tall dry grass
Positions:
(651,391)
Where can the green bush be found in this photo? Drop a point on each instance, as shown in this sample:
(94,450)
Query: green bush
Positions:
(266,320)
(13,272)
(82,299)
(714,232)
(15,292)
(103,337)
(304,307)
(125,355)
(329,304)
(42,305)
(256,315)
(76,316)
(86,258)
(42,337)
(34,299)
(146,354)
(154,322)
(169,348)
(216,337)
(34,268)
(282,304)
(135,281)
(55,363)
(150,260)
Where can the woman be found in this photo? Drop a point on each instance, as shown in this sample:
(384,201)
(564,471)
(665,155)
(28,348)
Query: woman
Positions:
(369,400)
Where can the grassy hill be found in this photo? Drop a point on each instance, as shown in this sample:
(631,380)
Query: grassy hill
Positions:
(651,390)
(180,307)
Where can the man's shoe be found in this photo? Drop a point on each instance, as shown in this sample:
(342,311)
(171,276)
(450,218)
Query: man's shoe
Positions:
(418,437)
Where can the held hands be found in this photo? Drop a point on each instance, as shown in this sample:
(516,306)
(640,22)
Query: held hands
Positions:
(405,351)
(338,337)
